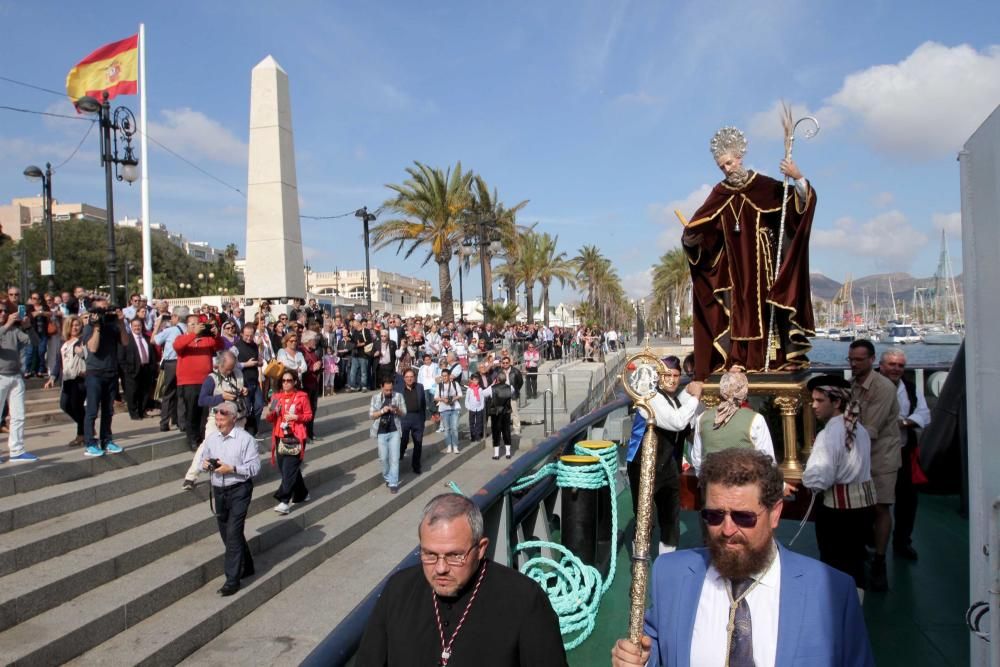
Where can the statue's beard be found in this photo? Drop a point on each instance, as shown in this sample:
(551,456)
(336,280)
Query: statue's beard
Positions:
(737,177)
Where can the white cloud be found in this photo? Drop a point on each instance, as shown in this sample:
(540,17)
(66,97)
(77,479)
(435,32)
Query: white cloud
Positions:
(926,105)
(883,199)
(888,237)
(663,215)
(639,284)
(194,135)
(767,124)
(951,223)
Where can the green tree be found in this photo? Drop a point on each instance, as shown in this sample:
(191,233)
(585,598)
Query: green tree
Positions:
(501,222)
(431,204)
(552,266)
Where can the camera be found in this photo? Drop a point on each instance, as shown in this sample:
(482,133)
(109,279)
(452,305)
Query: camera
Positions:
(103,315)
(213,464)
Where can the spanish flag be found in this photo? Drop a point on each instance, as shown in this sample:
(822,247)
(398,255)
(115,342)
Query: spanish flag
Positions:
(111,69)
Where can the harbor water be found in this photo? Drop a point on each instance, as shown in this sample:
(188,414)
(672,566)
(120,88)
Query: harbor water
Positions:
(834,353)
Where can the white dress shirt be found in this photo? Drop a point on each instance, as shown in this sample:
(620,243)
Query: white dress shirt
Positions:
(670,418)
(759,434)
(708,642)
(831,462)
(427,375)
(921,416)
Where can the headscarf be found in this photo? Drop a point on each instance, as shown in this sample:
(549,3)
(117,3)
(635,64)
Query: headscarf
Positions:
(852,410)
(733,388)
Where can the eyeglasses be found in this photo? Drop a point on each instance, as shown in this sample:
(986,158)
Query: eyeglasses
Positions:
(292,380)
(427,558)
(742,518)
(223,412)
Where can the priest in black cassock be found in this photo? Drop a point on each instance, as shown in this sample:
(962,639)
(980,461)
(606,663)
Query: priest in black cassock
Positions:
(460,609)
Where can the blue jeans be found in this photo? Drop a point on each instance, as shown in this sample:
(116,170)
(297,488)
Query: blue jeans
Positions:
(449,419)
(28,359)
(100,393)
(358,377)
(388,454)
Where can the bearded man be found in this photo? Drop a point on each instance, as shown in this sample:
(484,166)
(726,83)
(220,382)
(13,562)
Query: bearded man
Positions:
(732,246)
(746,600)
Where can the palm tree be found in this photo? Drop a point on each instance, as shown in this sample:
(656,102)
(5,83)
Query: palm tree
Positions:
(432,203)
(589,263)
(500,221)
(522,268)
(552,266)
(671,286)
(499,313)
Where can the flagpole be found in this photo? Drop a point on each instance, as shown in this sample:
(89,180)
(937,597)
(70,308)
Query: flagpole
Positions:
(147,242)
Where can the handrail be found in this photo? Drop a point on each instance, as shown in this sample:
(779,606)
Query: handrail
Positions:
(545,414)
(340,645)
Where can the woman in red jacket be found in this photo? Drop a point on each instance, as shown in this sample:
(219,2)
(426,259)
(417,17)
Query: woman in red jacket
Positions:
(289,412)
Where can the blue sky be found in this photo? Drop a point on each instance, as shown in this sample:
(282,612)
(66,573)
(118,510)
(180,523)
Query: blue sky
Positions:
(598,112)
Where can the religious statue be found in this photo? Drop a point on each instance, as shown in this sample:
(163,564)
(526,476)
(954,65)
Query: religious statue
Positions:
(748,249)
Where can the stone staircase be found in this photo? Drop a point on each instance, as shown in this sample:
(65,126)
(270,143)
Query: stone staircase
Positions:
(41,406)
(108,561)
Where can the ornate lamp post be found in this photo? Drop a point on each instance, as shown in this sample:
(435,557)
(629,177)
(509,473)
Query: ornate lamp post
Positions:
(34,173)
(119,122)
(367,217)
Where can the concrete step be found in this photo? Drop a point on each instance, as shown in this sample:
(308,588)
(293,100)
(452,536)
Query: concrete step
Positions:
(44,585)
(142,444)
(23,509)
(195,620)
(182,554)
(75,524)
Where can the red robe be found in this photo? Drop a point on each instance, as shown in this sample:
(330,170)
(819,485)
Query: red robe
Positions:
(733,280)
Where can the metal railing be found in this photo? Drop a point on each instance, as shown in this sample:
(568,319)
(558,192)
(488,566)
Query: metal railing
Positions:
(548,400)
(508,520)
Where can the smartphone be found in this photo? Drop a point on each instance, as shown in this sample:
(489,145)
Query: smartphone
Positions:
(21,312)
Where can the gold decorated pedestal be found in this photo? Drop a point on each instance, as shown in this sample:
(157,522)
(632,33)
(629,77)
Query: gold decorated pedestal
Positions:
(783,399)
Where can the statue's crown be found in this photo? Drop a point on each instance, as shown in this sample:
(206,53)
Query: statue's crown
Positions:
(728,140)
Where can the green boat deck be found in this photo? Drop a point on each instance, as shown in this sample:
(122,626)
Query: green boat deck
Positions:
(918,623)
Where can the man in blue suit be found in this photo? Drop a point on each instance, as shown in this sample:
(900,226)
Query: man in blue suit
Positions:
(746,601)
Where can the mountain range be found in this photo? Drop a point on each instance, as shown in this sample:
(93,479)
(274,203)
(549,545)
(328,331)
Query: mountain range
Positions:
(875,287)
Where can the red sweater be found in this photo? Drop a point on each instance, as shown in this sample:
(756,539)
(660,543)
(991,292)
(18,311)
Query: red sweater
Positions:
(194,357)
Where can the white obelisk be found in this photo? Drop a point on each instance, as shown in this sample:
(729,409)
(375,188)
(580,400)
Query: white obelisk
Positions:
(274,236)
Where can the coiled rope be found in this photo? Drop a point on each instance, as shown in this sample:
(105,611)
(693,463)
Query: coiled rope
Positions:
(574,588)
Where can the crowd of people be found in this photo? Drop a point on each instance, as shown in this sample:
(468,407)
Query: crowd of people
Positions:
(176,364)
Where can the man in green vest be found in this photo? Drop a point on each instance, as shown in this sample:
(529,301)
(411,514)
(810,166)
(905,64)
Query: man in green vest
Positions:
(731,424)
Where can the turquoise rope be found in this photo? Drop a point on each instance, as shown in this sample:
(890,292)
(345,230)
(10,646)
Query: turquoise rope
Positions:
(574,588)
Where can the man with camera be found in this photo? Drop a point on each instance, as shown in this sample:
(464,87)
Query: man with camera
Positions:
(231,455)
(104,334)
(12,341)
(196,350)
(385,410)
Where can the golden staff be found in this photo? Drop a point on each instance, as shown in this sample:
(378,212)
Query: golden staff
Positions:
(636,380)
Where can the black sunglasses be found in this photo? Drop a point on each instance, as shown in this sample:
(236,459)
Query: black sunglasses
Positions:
(742,518)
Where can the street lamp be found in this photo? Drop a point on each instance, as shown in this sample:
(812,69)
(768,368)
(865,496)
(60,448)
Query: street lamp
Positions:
(639,328)
(34,173)
(461,252)
(120,122)
(367,217)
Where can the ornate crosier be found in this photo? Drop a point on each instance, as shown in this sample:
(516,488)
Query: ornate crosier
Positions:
(773,343)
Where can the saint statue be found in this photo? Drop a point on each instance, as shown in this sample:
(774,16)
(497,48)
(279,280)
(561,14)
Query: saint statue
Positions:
(732,244)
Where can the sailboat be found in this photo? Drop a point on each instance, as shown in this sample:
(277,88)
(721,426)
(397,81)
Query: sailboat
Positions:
(947,306)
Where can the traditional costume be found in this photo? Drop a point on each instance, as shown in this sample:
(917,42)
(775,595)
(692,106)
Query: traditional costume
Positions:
(730,424)
(732,270)
(839,467)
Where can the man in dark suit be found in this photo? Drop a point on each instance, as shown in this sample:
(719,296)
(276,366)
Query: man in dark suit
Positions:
(136,361)
(790,610)
(413,421)
(385,357)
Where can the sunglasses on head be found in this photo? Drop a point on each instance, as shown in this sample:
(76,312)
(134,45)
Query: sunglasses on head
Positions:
(742,518)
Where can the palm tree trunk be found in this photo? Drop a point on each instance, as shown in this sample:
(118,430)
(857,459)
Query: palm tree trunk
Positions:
(444,284)
(670,314)
(545,303)
(511,290)
(529,301)
(488,297)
